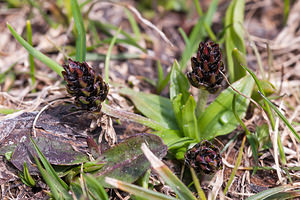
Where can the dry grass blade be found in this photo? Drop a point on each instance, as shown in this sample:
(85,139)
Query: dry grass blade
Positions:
(145,21)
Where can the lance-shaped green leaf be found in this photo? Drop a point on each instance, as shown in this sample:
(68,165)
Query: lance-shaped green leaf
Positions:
(273,192)
(174,140)
(81,37)
(126,161)
(137,191)
(198,33)
(37,54)
(177,109)
(234,36)
(26,178)
(179,83)
(189,120)
(218,118)
(95,188)
(239,59)
(267,87)
(167,175)
(153,106)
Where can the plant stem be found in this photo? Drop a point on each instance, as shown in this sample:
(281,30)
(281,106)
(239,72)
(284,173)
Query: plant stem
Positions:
(201,103)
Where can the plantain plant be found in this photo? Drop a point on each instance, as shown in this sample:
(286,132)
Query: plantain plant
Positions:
(183,121)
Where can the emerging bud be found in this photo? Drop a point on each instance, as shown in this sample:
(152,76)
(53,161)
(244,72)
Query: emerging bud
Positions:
(206,67)
(88,88)
(204,157)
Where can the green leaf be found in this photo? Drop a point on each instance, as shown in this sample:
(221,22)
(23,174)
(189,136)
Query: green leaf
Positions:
(259,86)
(179,83)
(177,108)
(173,139)
(282,117)
(251,138)
(107,58)
(197,184)
(237,164)
(126,161)
(189,120)
(267,87)
(6,111)
(167,175)
(26,178)
(198,34)
(263,137)
(153,106)
(218,118)
(37,54)
(270,192)
(95,188)
(137,190)
(76,190)
(58,190)
(49,169)
(239,59)
(234,36)
(30,57)
(81,38)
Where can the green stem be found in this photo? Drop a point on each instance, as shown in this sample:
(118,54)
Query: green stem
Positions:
(202,101)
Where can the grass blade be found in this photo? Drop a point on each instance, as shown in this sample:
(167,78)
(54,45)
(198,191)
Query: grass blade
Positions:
(167,175)
(286,10)
(198,33)
(107,58)
(137,190)
(284,119)
(48,166)
(95,187)
(30,57)
(198,8)
(261,90)
(37,54)
(253,147)
(237,164)
(267,193)
(133,24)
(197,184)
(57,189)
(81,37)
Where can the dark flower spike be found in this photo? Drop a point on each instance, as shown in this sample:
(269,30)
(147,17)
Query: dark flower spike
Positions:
(88,88)
(204,157)
(206,67)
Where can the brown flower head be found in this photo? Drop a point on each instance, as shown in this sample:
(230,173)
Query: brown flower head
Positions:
(206,67)
(204,157)
(88,88)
